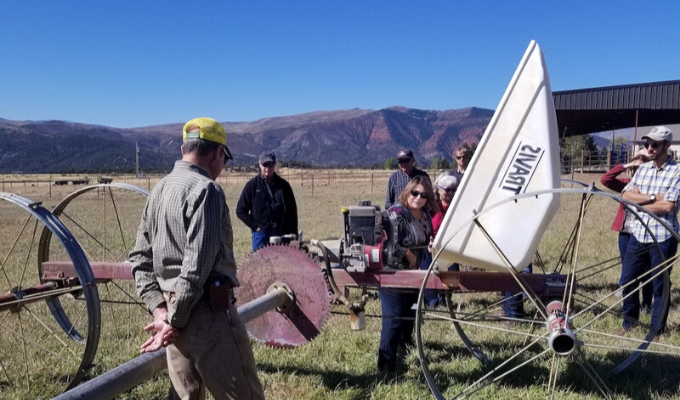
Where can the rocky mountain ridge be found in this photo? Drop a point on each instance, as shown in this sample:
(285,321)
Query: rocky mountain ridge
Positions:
(355,138)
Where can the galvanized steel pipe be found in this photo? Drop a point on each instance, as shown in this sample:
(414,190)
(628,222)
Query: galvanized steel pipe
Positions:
(123,378)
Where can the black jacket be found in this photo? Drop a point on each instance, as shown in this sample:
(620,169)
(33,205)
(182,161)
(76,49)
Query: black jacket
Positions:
(257,209)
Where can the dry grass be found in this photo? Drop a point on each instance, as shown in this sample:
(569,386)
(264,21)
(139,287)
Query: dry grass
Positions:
(339,364)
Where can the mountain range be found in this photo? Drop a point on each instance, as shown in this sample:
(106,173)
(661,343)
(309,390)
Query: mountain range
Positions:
(352,138)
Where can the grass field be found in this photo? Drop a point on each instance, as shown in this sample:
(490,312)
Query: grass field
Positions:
(339,363)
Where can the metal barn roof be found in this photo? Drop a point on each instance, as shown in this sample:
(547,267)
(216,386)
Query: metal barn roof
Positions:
(601,109)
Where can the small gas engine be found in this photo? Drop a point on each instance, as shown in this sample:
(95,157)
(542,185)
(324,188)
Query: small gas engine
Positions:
(370,237)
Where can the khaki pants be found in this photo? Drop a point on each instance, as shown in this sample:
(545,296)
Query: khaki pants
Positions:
(213,351)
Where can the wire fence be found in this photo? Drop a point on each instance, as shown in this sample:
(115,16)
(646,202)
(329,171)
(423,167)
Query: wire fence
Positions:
(593,161)
(372,181)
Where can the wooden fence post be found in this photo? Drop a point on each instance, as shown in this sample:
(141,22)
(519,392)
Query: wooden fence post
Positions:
(371,182)
(583,167)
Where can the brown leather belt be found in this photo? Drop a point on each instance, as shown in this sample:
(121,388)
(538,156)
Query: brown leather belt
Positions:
(171,297)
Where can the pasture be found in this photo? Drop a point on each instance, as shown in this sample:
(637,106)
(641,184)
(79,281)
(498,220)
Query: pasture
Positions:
(339,363)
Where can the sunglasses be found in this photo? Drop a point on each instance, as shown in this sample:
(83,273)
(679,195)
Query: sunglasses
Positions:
(227,153)
(404,160)
(416,193)
(268,165)
(460,157)
(654,145)
(449,190)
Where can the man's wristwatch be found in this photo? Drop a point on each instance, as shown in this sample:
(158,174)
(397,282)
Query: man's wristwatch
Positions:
(652,198)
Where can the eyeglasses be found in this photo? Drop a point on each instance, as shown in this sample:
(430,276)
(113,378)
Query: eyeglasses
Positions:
(416,193)
(449,190)
(653,145)
(268,165)
(404,160)
(461,157)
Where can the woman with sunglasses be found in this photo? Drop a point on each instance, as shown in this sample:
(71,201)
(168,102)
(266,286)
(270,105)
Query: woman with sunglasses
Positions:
(413,213)
(622,222)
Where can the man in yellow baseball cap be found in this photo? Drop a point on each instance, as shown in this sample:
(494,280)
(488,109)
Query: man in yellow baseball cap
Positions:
(207,129)
(184,269)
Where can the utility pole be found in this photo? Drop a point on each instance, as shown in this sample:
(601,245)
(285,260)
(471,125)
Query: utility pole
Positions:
(136,159)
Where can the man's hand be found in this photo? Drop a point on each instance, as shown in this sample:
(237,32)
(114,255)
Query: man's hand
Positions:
(163,333)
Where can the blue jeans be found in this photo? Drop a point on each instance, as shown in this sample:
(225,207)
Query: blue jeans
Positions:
(513,306)
(395,331)
(261,237)
(431,297)
(648,289)
(638,259)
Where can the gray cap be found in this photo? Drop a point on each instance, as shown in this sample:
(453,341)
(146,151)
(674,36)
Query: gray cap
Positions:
(659,133)
(267,157)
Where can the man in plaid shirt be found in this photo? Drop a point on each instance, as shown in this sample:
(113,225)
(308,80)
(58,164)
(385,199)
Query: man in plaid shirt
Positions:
(656,186)
(401,177)
(184,268)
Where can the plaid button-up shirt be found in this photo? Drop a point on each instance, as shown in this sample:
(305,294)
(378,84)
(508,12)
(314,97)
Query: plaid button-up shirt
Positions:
(185,236)
(651,180)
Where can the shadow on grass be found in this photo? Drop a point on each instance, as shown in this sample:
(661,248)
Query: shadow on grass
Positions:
(652,376)
(362,385)
(675,297)
(598,287)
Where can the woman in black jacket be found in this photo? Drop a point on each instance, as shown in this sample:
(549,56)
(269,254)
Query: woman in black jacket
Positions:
(413,211)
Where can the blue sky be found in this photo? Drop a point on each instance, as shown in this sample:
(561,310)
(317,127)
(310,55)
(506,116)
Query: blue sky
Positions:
(139,63)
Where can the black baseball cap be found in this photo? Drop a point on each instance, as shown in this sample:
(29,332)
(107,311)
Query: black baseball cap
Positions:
(404,154)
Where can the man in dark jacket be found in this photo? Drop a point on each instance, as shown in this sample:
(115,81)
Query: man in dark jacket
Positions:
(267,204)
(400,178)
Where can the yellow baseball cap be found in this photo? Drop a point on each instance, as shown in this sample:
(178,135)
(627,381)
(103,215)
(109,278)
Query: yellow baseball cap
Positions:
(207,129)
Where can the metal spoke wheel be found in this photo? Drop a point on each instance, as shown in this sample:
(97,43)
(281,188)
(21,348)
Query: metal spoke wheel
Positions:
(565,342)
(104,219)
(47,339)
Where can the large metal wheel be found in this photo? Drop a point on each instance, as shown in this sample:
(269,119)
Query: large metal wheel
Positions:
(47,339)
(104,218)
(565,342)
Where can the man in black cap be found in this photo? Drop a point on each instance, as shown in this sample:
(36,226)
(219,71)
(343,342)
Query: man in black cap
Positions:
(267,204)
(399,179)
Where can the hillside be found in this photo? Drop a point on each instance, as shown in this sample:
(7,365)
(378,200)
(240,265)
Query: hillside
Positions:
(327,138)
